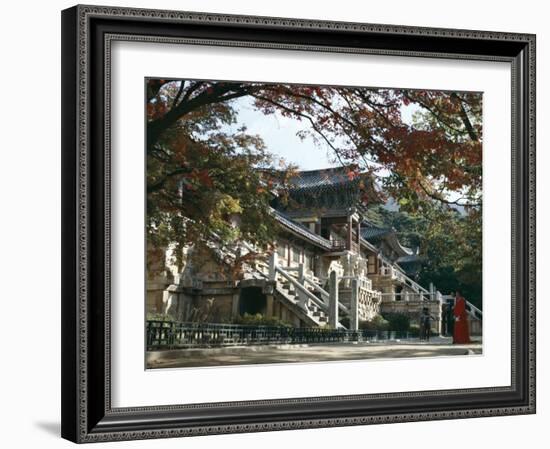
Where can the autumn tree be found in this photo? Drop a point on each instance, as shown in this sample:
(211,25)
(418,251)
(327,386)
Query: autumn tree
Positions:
(202,175)
(430,165)
(202,170)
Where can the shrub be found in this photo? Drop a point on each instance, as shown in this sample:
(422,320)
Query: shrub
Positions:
(260,320)
(398,321)
(414,330)
(156,316)
(378,323)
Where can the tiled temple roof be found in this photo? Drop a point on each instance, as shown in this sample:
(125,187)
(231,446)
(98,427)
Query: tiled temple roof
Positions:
(328,178)
(411,264)
(411,258)
(375,234)
(331,191)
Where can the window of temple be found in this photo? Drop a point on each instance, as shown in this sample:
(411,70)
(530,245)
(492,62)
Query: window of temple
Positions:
(281,250)
(295,254)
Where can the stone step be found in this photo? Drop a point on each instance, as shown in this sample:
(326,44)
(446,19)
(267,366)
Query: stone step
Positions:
(289,293)
(314,307)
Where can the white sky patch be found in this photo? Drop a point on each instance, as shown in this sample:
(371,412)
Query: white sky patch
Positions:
(407,112)
(279,133)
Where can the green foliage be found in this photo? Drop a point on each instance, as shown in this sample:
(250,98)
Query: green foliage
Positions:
(205,179)
(449,241)
(155,316)
(398,321)
(414,330)
(378,323)
(260,320)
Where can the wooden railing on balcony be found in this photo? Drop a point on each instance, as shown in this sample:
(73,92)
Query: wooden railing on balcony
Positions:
(338,245)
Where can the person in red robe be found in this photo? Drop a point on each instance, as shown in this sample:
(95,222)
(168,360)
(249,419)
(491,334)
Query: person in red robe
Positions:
(461,333)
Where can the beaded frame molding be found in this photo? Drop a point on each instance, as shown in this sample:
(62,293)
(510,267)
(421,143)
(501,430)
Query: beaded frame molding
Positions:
(87,34)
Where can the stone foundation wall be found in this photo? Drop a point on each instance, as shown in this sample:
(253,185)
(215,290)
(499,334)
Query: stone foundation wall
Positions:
(154,296)
(383,284)
(221,309)
(281,312)
(210,307)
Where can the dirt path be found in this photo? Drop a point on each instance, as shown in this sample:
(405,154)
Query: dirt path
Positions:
(306,353)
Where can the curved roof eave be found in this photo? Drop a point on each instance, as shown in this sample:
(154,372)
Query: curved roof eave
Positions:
(369,245)
(399,249)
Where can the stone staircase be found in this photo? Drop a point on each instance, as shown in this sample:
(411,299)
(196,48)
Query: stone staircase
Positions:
(285,291)
(298,290)
(312,313)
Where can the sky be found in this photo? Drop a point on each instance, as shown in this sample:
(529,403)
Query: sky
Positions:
(280,136)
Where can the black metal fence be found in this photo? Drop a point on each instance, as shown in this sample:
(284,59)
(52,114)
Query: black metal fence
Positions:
(172,335)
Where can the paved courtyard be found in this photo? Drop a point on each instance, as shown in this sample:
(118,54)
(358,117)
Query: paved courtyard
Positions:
(185,358)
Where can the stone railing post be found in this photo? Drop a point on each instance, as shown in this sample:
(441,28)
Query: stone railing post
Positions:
(273,266)
(354,306)
(440,317)
(302,280)
(333,300)
(301,273)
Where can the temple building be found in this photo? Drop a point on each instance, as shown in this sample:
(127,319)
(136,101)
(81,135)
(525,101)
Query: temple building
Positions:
(330,265)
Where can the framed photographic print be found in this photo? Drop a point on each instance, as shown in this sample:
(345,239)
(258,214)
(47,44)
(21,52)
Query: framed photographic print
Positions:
(285,223)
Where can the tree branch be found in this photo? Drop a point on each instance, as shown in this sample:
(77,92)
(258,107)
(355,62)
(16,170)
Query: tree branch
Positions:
(434,111)
(443,200)
(152,188)
(465,118)
(216,95)
(307,117)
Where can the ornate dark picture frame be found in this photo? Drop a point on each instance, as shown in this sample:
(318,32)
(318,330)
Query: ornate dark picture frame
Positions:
(87,414)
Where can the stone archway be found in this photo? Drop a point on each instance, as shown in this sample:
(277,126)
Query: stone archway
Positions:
(252,301)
